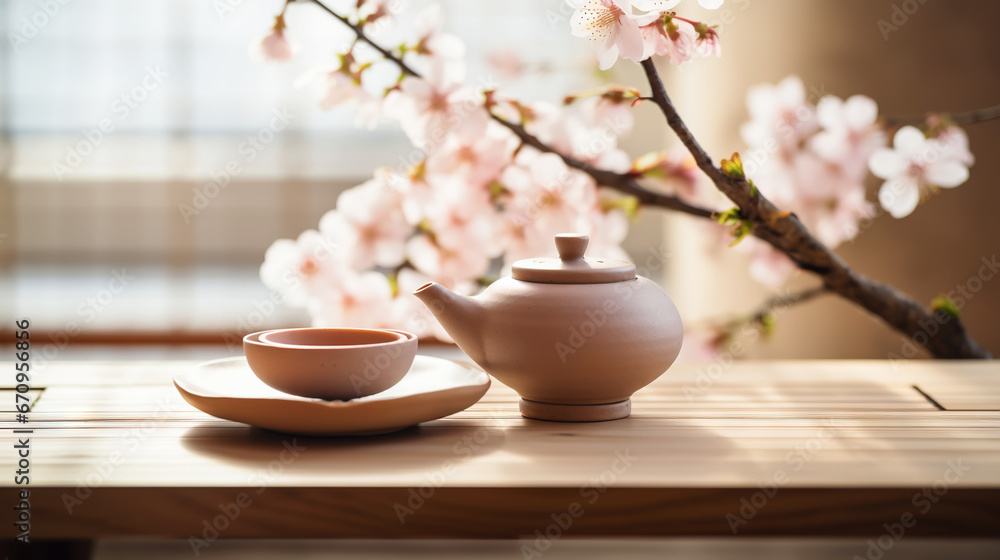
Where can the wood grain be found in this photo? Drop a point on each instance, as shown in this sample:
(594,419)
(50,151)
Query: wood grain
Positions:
(846,446)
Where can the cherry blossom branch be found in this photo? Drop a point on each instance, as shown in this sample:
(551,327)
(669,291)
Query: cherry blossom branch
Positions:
(617,181)
(782,301)
(962,119)
(780,229)
(360,33)
(786,233)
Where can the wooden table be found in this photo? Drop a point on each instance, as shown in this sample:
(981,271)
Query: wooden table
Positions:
(831,448)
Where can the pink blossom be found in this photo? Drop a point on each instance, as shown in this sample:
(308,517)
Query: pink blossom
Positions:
(780,115)
(584,134)
(916,164)
(828,198)
(607,228)
(664,5)
(849,134)
(664,36)
(458,237)
(523,239)
(375,11)
(610,111)
(474,162)
(708,43)
(699,348)
(433,107)
(545,190)
(954,145)
(679,170)
(768,265)
(463,261)
(273,46)
(417,194)
(356,300)
(657,6)
(461,218)
(300,269)
(443,48)
(507,63)
(817,173)
(341,88)
(545,198)
(369,219)
(610,26)
(410,314)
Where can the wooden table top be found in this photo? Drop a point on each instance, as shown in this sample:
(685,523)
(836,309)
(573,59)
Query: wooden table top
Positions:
(747,448)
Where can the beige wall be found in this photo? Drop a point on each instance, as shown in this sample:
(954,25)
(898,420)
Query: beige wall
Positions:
(946,56)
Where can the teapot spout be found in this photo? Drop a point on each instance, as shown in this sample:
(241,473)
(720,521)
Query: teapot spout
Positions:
(461,316)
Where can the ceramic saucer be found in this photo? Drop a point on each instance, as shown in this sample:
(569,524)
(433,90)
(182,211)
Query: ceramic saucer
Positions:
(431,389)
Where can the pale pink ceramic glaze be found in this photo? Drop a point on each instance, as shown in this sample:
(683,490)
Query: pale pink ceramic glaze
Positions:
(330,363)
(578,349)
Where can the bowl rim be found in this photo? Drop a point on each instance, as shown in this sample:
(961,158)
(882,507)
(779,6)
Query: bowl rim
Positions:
(257,338)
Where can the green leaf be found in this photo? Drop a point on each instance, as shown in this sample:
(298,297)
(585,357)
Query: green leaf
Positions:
(732,217)
(734,167)
(767,324)
(728,217)
(627,204)
(944,303)
(393,284)
(497,190)
(740,231)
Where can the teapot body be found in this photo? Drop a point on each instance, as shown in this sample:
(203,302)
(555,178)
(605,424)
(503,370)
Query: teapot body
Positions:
(578,344)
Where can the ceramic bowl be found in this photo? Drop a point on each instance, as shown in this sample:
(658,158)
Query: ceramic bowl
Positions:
(330,363)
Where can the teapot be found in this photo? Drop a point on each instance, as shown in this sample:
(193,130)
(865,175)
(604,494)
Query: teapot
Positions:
(574,336)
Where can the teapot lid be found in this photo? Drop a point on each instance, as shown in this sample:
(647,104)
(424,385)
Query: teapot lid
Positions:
(571,267)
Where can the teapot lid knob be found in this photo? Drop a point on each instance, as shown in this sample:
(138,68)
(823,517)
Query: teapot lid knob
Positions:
(571,246)
(572,267)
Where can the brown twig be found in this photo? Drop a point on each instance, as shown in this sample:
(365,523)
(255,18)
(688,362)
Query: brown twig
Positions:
(362,36)
(962,119)
(782,301)
(782,230)
(787,234)
(770,306)
(617,181)
(622,183)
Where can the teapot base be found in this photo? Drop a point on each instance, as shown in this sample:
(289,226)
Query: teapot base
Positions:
(576,412)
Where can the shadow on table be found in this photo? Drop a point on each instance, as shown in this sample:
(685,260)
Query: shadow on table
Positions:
(414,449)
